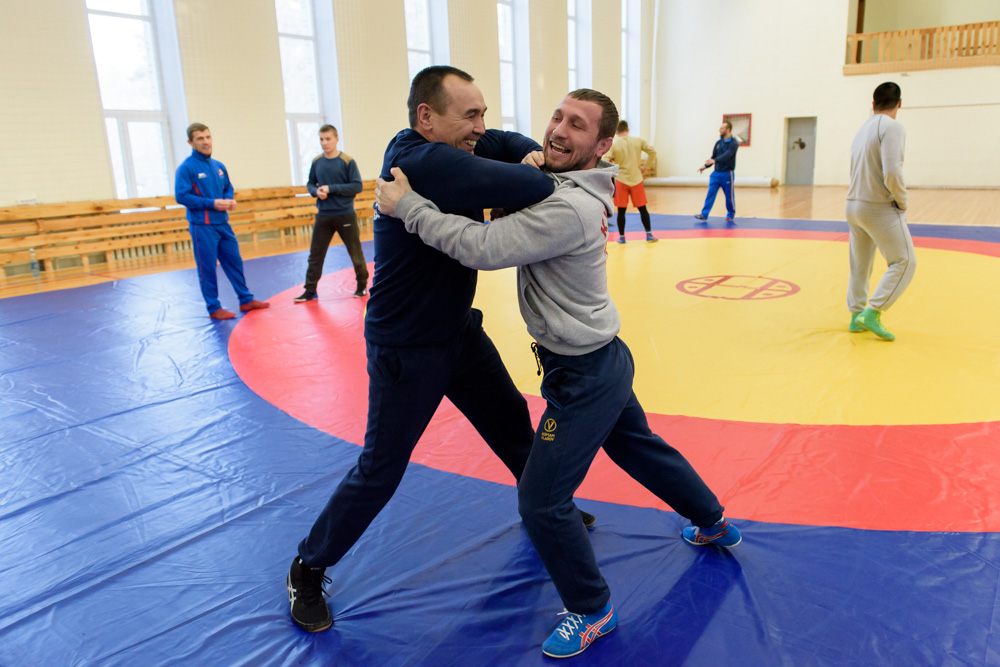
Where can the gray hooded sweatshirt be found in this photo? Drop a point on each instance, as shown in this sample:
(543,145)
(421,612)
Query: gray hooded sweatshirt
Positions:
(559,247)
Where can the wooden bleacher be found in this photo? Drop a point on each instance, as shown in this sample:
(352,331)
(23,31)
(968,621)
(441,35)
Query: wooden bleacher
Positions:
(85,234)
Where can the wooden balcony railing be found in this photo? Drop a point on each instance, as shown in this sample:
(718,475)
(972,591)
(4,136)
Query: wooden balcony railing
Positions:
(970,45)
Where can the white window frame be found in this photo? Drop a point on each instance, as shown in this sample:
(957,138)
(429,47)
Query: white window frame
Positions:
(437,37)
(520,40)
(169,81)
(581,59)
(292,120)
(631,50)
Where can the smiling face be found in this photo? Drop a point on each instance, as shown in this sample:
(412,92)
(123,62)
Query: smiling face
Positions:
(201,141)
(462,122)
(571,142)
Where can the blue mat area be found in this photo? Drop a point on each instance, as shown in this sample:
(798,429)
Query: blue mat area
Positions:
(150,505)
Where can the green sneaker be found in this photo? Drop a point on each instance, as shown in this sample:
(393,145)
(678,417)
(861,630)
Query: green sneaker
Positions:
(871,320)
(853,327)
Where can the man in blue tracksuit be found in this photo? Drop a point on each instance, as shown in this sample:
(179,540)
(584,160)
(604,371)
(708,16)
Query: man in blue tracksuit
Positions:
(724,159)
(202,185)
(424,340)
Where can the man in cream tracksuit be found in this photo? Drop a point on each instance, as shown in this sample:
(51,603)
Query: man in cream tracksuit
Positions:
(876,214)
(559,247)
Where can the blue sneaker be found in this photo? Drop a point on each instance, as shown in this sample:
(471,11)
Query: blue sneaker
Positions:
(577,632)
(621,239)
(722,533)
(651,238)
(730,222)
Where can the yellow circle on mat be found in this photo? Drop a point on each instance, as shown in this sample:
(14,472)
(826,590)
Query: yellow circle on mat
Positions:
(789,359)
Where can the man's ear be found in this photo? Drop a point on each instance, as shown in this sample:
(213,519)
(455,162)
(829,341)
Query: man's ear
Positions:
(424,112)
(604,145)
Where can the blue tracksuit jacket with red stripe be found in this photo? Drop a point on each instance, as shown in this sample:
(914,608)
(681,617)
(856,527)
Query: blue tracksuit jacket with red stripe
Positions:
(199,181)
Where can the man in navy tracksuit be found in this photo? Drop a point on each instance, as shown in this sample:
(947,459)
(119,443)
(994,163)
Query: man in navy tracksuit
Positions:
(202,185)
(560,248)
(724,159)
(334,180)
(424,340)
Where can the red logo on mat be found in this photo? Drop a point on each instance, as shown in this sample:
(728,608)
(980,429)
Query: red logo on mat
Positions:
(738,288)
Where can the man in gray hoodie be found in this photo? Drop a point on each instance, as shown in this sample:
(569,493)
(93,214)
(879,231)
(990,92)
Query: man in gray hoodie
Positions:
(559,247)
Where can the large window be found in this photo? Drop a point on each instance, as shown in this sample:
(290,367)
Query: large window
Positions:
(124,39)
(300,74)
(631,39)
(426,34)
(580,42)
(571,42)
(515,94)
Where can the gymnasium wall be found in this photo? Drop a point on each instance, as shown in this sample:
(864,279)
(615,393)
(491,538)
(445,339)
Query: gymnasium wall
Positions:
(52,129)
(472,30)
(232,83)
(778,59)
(606,36)
(884,15)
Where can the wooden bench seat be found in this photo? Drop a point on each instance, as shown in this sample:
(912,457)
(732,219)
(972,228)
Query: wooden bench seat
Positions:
(103,232)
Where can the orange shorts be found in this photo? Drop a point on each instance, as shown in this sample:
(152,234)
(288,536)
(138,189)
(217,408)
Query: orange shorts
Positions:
(623,192)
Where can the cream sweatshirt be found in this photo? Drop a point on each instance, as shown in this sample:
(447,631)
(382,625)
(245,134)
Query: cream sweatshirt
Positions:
(877,162)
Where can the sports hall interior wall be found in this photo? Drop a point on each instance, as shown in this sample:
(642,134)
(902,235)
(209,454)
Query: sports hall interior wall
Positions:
(772,58)
(884,15)
(779,59)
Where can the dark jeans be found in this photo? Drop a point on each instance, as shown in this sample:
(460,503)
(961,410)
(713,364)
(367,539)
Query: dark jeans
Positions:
(579,420)
(323,230)
(405,387)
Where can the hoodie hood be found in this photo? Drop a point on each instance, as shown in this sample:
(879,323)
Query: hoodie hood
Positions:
(599,182)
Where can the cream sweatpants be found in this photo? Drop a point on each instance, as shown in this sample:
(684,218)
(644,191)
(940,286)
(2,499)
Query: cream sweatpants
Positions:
(875,226)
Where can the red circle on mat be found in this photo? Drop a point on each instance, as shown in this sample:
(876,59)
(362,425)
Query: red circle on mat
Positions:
(309,360)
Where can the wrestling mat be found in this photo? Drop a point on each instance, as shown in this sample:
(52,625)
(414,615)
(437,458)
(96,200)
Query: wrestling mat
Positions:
(157,469)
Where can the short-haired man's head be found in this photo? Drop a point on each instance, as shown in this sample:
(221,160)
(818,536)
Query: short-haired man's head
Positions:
(728,125)
(329,128)
(622,126)
(428,88)
(609,112)
(195,127)
(887,96)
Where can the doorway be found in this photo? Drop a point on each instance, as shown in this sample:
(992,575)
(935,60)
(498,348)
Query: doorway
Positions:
(800,151)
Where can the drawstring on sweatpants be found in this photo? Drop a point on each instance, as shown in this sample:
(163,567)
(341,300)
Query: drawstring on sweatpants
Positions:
(534,349)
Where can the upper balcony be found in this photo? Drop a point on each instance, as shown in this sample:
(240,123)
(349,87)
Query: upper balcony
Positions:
(969,45)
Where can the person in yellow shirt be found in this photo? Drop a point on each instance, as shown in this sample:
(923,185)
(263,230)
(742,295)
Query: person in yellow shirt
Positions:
(626,151)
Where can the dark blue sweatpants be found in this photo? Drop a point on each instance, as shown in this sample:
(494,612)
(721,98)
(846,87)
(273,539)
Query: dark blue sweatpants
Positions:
(724,180)
(591,405)
(218,242)
(405,386)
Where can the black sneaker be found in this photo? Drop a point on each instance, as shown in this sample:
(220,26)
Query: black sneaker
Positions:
(588,519)
(306,296)
(305,596)
(360,292)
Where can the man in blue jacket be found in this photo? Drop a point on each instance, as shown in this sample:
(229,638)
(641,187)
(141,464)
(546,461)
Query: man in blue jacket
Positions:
(724,159)
(424,340)
(202,185)
(334,180)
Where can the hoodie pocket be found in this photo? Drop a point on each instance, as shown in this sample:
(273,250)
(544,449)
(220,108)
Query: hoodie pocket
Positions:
(531,312)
